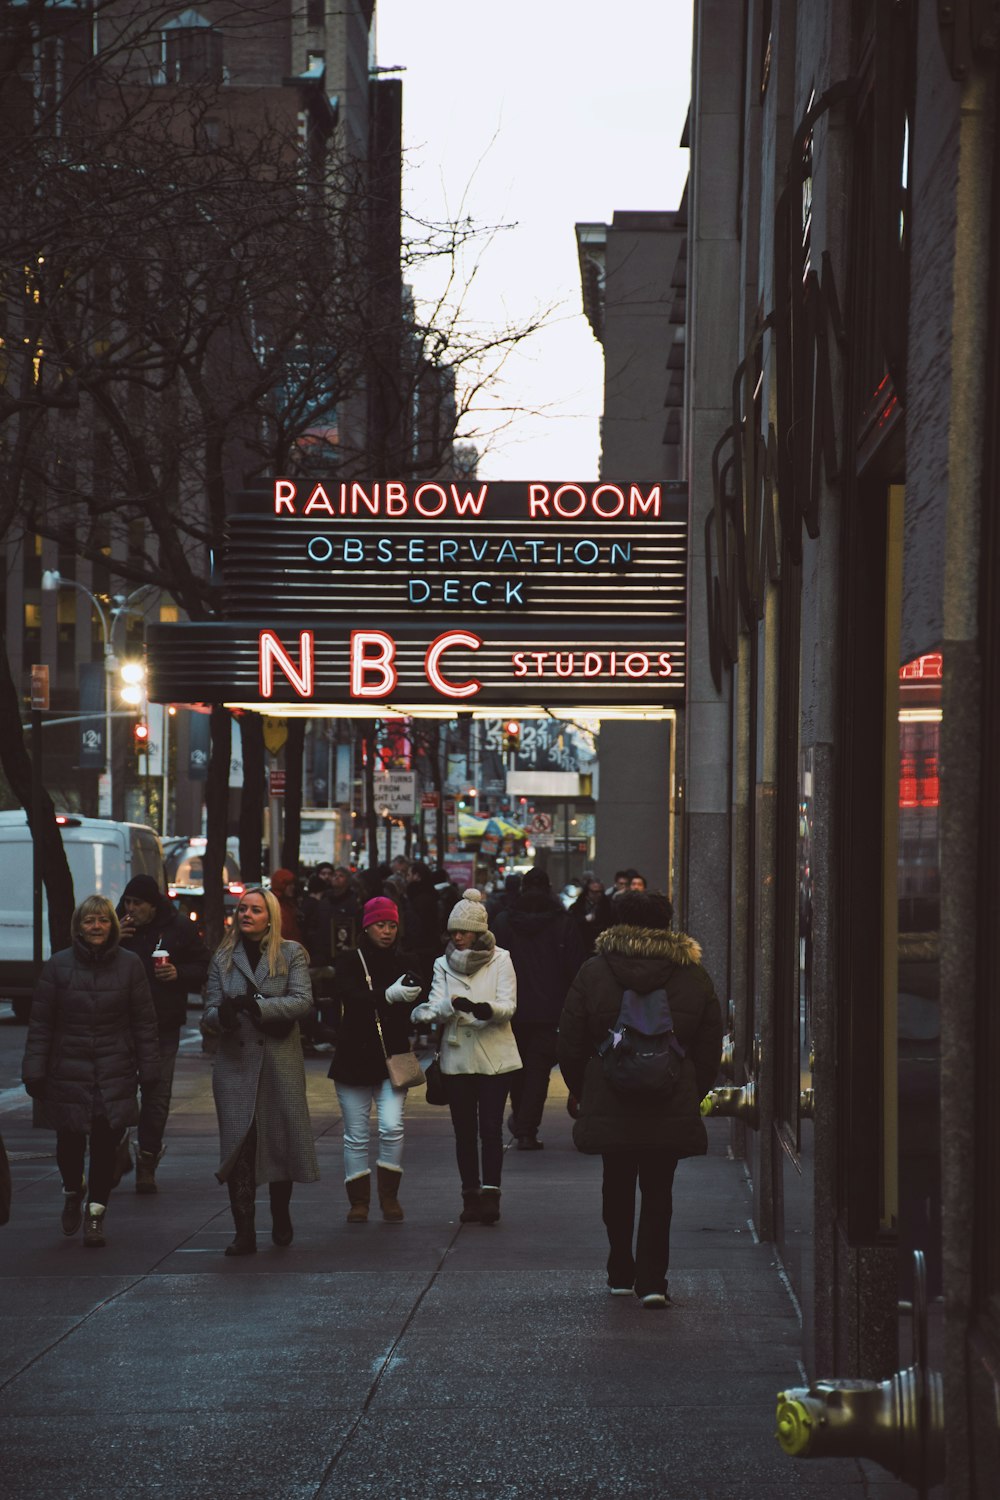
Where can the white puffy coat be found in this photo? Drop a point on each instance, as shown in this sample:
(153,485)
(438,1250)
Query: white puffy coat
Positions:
(468,1045)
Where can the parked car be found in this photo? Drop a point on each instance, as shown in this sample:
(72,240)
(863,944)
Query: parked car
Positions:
(185,880)
(103,856)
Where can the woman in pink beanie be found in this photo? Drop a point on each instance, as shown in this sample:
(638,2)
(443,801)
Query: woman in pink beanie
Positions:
(376,989)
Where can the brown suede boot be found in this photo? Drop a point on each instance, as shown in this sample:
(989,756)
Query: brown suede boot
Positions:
(389,1179)
(359,1194)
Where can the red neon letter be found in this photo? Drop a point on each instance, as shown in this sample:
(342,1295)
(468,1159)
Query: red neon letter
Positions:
(381,663)
(284,494)
(270,650)
(436,650)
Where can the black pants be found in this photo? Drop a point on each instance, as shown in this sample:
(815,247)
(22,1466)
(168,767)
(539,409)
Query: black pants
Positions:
(71,1147)
(653,1169)
(155,1106)
(529,1087)
(476,1101)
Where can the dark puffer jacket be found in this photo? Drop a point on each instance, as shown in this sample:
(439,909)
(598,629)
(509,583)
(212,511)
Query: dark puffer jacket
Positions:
(92,1038)
(642,959)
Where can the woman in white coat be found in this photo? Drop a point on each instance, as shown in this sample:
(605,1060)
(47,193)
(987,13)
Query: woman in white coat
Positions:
(474,992)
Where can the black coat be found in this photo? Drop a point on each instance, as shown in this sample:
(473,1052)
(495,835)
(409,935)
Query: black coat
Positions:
(171,930)
(546,952)
(92,1038)
(642,959)
(591,921)
(358,1057)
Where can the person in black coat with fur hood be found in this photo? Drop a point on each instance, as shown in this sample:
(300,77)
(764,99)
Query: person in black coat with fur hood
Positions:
(640,1137)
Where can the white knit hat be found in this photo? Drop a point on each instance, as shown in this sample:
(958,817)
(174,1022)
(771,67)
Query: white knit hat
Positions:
(469,914)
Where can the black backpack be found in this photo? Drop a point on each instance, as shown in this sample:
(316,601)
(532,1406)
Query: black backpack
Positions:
(641,1053)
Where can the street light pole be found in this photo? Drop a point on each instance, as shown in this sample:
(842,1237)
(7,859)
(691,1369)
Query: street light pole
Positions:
(52,581)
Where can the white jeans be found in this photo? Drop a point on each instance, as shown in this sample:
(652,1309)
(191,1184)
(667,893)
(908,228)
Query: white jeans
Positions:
(356,1107)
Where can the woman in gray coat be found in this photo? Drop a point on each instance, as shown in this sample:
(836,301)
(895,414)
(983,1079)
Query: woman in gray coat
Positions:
(92,1039)
(257,989)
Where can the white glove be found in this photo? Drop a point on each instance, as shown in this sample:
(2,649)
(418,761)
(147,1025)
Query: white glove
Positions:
(399,993)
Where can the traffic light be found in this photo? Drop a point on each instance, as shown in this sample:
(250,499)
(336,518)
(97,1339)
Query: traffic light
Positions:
(511,735)
(140,735)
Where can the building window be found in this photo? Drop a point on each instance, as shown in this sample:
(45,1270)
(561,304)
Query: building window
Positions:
(192,50)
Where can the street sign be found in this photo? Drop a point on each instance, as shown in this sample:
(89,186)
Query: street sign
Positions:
(276,783)
(396,793)
(429,800)
(541,823)
(275,734)
(40,687)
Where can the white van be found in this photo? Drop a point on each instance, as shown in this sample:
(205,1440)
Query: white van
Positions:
(103,856)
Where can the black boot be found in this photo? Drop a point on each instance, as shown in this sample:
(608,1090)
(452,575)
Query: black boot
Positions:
(489,1205)
(470,1208)
(281,1220)
(242,1186)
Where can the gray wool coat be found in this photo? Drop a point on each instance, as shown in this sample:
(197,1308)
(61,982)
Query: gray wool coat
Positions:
(261,1076)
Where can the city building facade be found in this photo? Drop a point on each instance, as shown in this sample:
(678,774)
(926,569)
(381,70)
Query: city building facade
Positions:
(841,819)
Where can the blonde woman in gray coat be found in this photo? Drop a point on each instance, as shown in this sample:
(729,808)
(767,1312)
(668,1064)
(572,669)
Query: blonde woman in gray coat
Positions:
(257,989)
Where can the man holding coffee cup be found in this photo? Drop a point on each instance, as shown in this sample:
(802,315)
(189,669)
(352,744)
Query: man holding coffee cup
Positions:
(176,962)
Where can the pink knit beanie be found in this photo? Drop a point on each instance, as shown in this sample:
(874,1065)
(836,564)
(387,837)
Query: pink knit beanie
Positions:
(380,909)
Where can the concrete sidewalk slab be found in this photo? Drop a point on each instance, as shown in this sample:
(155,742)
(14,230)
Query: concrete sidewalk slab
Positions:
(404,1362)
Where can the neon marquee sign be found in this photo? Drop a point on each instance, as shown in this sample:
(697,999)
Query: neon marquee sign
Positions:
(491,595)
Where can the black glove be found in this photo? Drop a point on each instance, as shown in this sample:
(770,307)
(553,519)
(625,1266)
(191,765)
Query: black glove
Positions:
(35,1088)
(227,1013)
(482,1011)
(247,1003)
(460,1002)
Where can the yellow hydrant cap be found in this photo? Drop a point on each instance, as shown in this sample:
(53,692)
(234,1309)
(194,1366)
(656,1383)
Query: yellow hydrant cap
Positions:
(794,1425)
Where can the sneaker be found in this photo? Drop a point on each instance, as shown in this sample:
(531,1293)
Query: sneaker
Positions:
(620,1291)
(72,1214)
(93,1230)
(529,1143)
(656,1299)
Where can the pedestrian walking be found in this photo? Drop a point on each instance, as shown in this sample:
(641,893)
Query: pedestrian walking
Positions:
(474,992)
(256,991)
(641,1136)
(176,961)
(591,911)
(376,987)
(546,950)
(92,1041)
(283,887)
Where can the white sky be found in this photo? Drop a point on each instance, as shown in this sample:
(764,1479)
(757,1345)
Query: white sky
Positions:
(540,113)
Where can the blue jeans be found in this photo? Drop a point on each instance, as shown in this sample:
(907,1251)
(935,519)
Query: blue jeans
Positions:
(476,1101)
(355,1102)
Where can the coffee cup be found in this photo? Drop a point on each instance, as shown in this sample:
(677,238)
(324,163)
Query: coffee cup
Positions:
(161,958)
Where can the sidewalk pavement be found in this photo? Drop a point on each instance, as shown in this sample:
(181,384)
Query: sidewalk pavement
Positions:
(396,1362)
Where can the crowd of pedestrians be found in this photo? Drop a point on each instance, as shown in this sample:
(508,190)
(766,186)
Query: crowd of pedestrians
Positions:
(507,987)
